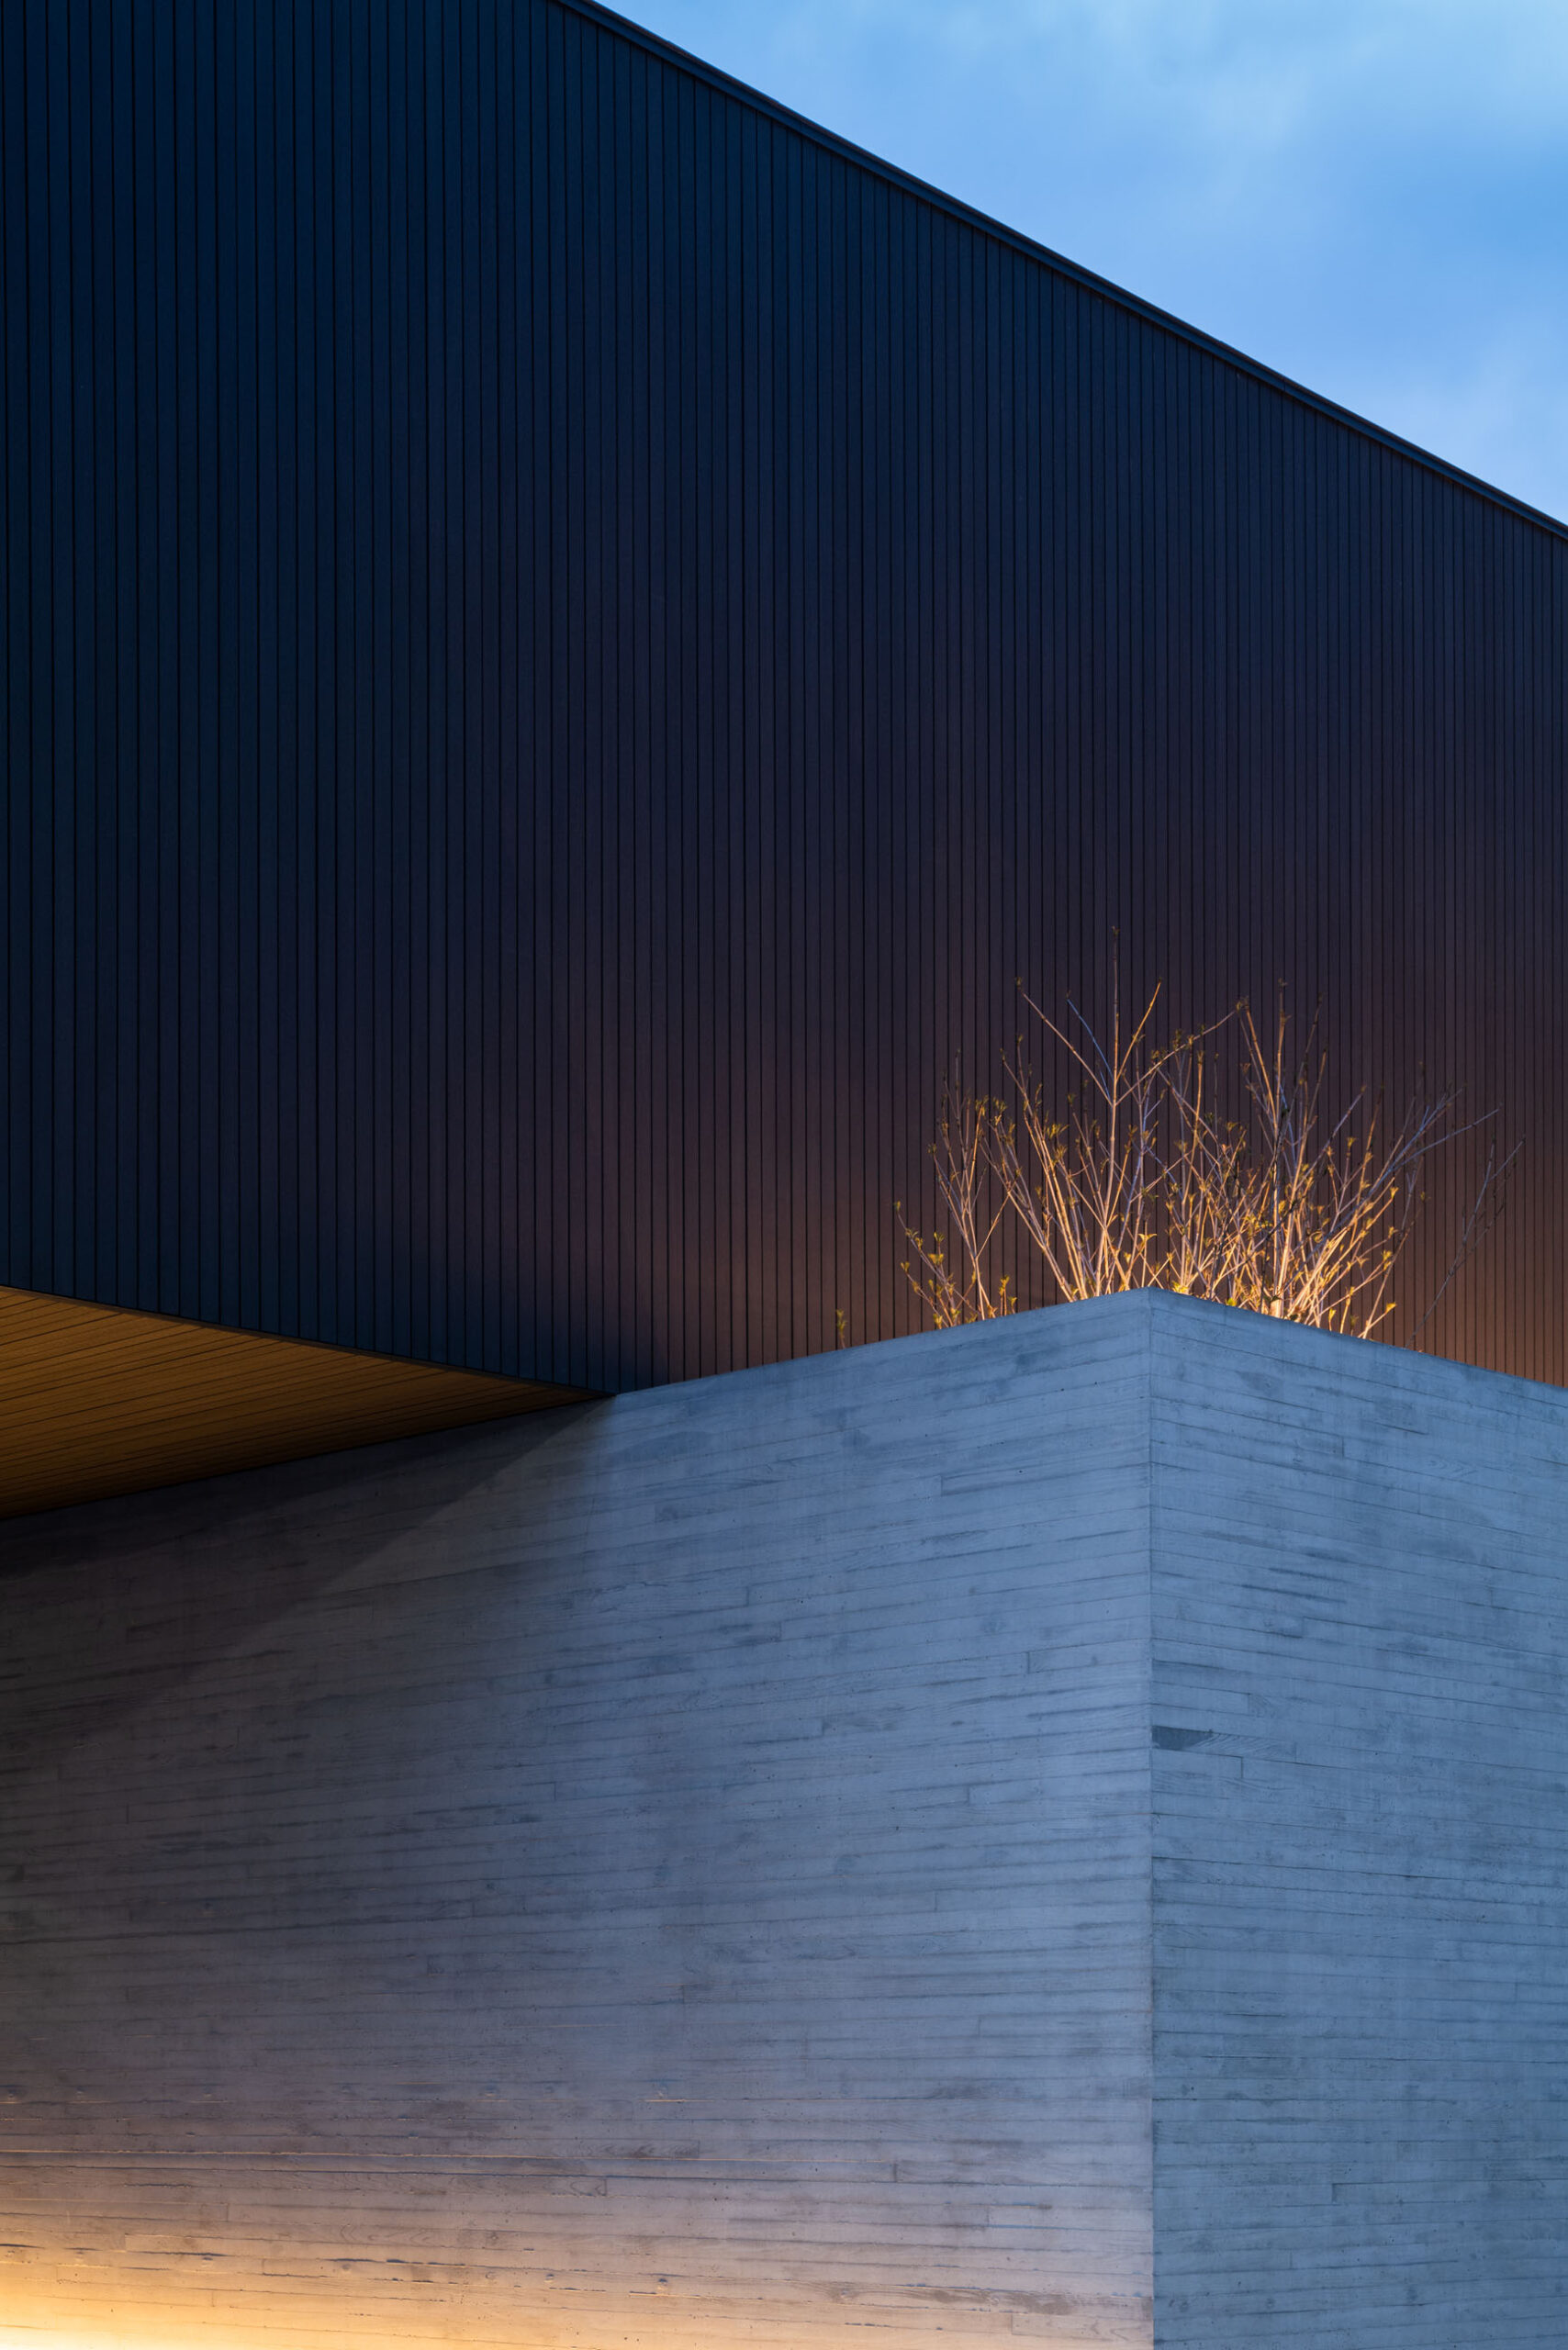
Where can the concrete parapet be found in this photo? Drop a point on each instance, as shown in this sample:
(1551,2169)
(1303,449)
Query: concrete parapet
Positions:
(1055,1828)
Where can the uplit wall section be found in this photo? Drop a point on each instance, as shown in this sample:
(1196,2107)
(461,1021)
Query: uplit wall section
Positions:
(571,637)
(1051,1829)
(95,1401)
(673,1870)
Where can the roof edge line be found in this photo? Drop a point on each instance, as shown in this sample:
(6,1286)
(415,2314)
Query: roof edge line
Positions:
(730,86)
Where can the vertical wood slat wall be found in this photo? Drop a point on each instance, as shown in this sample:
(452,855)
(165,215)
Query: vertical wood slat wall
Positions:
(566,640)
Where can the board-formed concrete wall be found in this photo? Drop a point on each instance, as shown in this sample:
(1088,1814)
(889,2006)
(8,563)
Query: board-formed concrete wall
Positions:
(1360,1862)
(674,1870)
(1052,1829)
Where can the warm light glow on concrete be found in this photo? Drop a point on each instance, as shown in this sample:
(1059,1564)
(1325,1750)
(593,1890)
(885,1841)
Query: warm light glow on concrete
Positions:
(698,1871)
(651,2322)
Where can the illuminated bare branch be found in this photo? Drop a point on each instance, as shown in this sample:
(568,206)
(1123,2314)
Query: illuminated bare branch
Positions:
(1142,1183)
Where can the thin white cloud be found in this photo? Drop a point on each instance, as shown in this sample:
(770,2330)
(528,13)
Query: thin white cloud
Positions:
(1261,68)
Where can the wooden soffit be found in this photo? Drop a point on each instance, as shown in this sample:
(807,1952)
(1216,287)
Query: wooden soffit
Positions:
(96,1401)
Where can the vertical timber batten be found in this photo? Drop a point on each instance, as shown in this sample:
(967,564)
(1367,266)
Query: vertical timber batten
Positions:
(566,639)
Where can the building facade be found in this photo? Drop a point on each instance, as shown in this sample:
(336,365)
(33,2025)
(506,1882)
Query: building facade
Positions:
(569,641)
(569,638)
(1051,1829)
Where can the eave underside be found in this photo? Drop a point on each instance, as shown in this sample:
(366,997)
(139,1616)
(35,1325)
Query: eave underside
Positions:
(96,1401)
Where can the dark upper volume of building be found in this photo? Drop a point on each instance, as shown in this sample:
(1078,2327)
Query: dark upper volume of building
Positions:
(567,637)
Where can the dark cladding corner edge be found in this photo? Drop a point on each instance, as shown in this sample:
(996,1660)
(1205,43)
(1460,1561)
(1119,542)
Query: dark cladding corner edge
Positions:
(1134,304)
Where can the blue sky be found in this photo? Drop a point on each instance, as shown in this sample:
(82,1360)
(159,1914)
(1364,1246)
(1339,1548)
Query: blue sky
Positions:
(1372,195)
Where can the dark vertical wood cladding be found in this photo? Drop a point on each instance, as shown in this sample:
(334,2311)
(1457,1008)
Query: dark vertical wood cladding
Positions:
(565,641)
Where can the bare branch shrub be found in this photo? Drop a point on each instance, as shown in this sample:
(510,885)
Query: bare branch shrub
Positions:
(1286,1208)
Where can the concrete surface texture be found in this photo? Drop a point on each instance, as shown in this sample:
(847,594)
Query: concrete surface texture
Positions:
(1050,1829)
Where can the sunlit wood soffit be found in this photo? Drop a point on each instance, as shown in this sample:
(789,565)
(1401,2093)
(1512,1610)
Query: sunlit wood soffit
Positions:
(95,1401)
